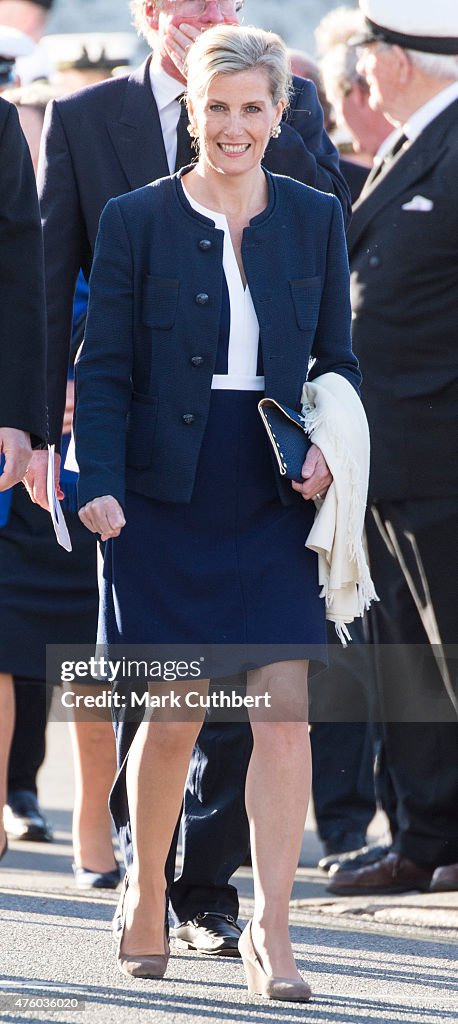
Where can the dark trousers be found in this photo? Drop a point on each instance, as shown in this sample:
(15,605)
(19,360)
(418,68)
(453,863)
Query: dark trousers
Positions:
(412,545)
(28,746)
(342,741)
(343,780)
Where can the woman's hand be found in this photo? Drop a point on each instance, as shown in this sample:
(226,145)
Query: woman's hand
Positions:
(103,515)
(316,474)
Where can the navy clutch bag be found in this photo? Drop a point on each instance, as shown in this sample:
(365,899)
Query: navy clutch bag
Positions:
(285,430)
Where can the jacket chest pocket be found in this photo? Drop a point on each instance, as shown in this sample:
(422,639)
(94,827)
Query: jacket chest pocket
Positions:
(306,293)
(159,301)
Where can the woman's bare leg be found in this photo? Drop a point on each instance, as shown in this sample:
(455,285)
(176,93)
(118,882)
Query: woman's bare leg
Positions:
(155,777)
(7,706)
(94,763)
(277,795)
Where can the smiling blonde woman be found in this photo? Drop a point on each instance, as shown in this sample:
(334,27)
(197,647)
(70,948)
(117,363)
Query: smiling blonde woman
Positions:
(209,289)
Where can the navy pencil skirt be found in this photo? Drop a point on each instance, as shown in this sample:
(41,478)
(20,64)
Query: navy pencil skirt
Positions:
(231,566)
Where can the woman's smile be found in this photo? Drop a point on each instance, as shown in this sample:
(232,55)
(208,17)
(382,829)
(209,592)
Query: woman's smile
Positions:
(234,149)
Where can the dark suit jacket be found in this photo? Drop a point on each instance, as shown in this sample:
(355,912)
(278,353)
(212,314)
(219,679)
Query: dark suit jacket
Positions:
(144,376)
(22,299)
(106,140)
(355,175)
(404,282)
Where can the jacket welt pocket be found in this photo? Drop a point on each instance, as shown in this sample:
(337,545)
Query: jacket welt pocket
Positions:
(141,428)
(306,293)
(159,301)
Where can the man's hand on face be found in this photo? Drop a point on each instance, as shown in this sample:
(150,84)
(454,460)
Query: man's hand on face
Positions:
(177,40)
(17,452)
(36,478)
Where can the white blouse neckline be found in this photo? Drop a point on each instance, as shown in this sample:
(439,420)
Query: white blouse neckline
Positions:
(244,327)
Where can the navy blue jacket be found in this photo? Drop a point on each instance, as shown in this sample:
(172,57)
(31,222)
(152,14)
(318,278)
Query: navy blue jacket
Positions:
(104,141)
(144,377)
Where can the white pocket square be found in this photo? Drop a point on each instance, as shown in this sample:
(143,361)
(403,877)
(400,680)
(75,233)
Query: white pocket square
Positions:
(420,203)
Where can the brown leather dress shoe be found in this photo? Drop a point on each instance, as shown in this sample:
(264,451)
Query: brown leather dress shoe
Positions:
(445,879)
(390,874)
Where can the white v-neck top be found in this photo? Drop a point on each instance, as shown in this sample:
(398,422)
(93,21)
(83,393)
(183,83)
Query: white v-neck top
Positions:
(244,329)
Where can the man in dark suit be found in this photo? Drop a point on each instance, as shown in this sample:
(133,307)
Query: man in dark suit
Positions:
(100,143)
(22,348)
(22,309)
(402,245)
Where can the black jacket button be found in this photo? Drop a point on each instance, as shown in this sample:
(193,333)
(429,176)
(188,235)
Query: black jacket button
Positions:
(202,299)
(197,360)
(205,244)
(188,418)
(374,261)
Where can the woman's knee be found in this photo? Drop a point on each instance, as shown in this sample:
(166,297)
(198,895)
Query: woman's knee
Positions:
(281,738)
(284,684)
(173,736)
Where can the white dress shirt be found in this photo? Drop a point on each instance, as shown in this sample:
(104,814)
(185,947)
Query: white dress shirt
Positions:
(418,121)
(244,329)
(166,92)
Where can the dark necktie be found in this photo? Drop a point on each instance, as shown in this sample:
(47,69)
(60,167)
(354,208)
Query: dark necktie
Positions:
(185,153)
(389,157)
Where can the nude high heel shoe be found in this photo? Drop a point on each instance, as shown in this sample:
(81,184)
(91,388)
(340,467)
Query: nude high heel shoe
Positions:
(140,965)
(262,984)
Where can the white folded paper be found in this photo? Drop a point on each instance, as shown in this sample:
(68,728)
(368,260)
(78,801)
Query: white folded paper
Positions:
(57,516)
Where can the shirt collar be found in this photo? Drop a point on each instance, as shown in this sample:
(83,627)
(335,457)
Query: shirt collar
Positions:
(165,88)
(418,121)
(429,111)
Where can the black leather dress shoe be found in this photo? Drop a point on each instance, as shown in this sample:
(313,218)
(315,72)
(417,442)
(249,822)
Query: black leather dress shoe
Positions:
(212,934)
(87,879)
(358,859)
(23,819)
(340,846)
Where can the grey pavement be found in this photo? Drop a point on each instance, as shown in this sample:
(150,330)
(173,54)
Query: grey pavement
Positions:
(387,960)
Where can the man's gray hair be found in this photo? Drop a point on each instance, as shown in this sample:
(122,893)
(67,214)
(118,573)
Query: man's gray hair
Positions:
(140,20)
(226,49)
(435,65)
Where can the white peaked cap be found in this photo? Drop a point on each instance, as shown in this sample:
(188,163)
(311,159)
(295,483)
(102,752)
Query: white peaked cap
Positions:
(428,25)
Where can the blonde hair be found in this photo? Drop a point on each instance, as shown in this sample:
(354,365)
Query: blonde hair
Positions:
(336,27)
(228,49)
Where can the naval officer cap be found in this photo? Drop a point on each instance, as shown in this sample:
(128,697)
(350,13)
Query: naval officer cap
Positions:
(430,26)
